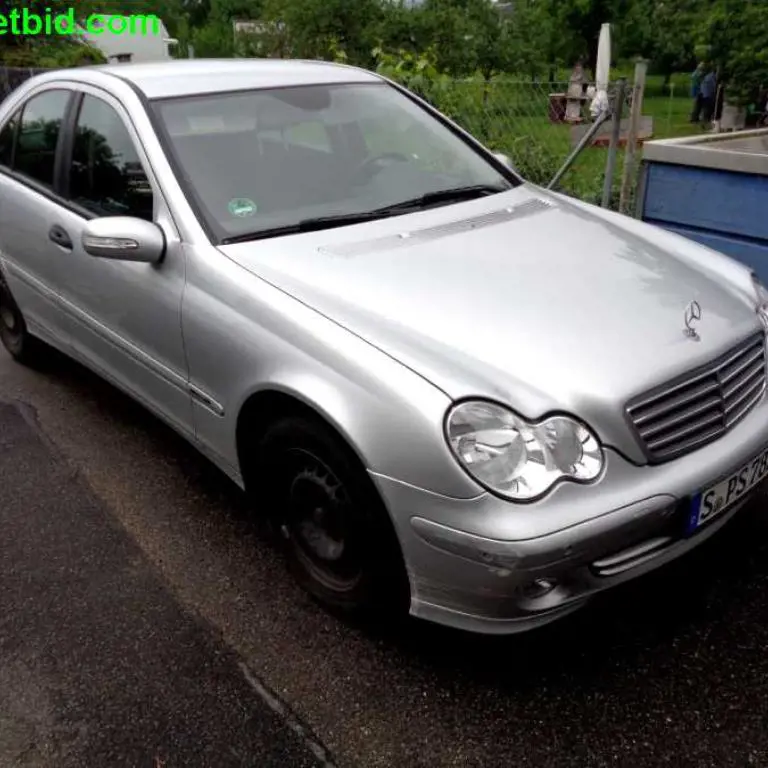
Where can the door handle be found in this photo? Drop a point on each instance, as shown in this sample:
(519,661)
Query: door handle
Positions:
(60,236)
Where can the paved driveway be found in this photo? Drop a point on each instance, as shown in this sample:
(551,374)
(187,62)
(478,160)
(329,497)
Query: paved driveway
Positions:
(671,670)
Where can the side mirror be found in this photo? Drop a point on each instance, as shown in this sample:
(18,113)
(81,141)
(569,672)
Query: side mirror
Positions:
(124,238)
(505,159)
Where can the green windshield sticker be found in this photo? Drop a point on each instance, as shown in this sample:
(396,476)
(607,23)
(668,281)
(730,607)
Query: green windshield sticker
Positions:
(242,207)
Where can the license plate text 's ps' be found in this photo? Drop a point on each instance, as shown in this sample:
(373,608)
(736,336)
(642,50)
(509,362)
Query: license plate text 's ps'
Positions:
(718,498)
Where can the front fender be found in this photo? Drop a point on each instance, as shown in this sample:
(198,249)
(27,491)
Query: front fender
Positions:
(244,336)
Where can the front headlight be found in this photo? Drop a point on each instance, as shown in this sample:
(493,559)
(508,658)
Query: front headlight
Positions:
(517,459)
(762,300)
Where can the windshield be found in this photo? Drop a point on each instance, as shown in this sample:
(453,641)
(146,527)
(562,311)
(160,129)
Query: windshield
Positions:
(267,160)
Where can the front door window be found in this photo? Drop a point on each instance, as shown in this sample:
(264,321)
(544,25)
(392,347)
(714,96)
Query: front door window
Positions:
(107,177)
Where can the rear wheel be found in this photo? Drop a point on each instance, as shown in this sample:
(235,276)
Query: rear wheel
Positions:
(337,536)
(14,334)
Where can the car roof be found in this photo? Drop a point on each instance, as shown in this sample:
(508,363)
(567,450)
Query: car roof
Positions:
(186,77)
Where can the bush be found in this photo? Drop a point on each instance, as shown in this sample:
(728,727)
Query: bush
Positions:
(52,54)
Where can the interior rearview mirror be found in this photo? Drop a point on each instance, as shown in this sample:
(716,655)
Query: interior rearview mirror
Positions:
(124,238)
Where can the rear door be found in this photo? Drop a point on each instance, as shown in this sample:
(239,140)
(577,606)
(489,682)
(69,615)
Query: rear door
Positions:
(30,184)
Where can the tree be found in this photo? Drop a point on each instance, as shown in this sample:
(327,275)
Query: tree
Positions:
(401,27)
(736,34)
(468,36)
(664,31)
(556,33)
(583,19)
(565,31)
(195,13)
(448,28)
(215,39)
(313,27)
(489,38)
(43,49)
(534,38)
(208,24)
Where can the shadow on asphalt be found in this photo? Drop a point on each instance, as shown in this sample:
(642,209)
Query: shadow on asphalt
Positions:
(656,607)
(688,636)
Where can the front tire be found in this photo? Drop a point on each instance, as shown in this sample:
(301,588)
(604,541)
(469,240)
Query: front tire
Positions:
(336,534)
(16,338)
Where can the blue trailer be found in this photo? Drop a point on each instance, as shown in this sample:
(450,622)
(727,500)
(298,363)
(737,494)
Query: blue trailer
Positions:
(712,189)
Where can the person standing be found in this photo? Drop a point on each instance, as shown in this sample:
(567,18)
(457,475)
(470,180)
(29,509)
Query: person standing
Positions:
(708,93)
(696,78)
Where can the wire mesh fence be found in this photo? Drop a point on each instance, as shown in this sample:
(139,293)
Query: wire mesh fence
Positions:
(511,117)
(526,121)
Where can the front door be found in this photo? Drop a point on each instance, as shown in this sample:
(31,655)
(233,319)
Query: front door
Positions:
(126,316)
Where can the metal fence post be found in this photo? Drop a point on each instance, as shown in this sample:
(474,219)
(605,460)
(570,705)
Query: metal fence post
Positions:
(586,140)
(613,149)
(670,104)
(636,111)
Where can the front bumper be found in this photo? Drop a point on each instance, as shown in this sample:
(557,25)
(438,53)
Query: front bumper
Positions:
(487,565)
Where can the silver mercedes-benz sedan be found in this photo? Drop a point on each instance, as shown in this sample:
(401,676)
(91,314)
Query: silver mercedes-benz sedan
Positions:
(450,390)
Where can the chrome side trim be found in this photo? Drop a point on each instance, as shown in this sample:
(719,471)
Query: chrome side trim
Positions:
(206,400)
(131,350)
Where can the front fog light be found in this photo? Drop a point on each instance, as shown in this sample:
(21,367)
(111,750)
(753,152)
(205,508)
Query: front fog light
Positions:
(518,459)
(539,588)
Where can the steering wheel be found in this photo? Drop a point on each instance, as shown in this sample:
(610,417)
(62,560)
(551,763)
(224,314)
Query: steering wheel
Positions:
(364,168)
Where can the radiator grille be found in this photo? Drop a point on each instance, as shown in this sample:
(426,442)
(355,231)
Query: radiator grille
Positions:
(695,409)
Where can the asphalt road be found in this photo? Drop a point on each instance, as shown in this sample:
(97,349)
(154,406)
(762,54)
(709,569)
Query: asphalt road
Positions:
(669,670)
(99,664)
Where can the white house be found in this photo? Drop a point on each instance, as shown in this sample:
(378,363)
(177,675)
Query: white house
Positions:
(128,38)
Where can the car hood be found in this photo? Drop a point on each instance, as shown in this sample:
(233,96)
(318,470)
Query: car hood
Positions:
(526,297)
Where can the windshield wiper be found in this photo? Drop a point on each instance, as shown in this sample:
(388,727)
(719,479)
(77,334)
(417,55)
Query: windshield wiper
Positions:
(454,194)
(310,225)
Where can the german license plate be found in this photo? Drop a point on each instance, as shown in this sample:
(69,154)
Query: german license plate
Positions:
(719,497)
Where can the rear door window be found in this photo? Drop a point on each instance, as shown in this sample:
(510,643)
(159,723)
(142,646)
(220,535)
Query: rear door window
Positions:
(7,139)
(38,136)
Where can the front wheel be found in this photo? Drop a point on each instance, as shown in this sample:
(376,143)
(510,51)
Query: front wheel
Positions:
(337,536)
